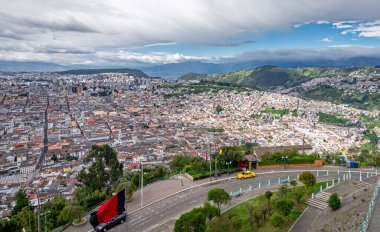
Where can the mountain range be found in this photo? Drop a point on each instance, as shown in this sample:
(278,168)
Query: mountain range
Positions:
(174,70)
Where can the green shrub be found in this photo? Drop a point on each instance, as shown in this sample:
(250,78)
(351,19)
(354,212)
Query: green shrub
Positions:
(334,202)
(277,220)
(294,214)
(284,206)
(308,179)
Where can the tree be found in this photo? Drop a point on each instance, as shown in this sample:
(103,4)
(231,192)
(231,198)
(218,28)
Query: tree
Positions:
(21,202)
(264,211)
(277,220)
(284,206)
(70,213)
(251,212)
(268,195)
(9,225)
(218,109)
(221,225)
(104,170)
(219,196)
(298,194)
(210,211)
(231,153)
(129,188)
(237,222)
(54,158)
(307,178)
(193,221)
(283,190)
(334,201)
(293,182)
(179,161)
(257,217)
(55,207)
(22,219)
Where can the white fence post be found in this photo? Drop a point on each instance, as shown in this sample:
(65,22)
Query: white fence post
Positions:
(367,175)
(312,195)
(327,185)
(268,182)
(288,178)
(250,187)
(279,180)
(327,173)
(259,184)
(317,174)
(333,182)
(338,179)
(240,190)
(344,177)
(360,173)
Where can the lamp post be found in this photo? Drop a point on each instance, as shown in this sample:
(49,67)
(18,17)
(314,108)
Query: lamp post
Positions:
(46,228)
(210,163)
(284,158)
(228,166)
(142,184)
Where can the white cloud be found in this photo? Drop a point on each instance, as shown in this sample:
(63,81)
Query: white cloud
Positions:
(367,29)
(335,52)
(78,29)
(327,40)
(343,24)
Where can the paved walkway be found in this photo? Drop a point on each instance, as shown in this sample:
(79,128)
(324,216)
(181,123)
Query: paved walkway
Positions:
(306,220)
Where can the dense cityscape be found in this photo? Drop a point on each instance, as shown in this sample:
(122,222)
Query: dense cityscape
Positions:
(189,116)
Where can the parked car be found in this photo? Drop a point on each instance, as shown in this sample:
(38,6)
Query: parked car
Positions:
(119,219)
(246,175)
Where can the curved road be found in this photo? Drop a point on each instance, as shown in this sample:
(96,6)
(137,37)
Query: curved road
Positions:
(161,215)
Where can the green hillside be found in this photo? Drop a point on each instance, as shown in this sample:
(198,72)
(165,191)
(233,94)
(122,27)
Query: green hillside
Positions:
(270,76)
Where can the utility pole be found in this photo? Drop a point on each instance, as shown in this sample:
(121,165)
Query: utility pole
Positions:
(45,219)
(30,225)
(142,184)
(210,163)
(39,211)
(216,169)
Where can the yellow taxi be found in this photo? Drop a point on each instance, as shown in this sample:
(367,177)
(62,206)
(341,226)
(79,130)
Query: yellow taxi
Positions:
(245,175)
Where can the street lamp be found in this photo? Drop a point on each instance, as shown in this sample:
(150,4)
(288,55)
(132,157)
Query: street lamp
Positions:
(46,212)
(284,158)
(228,163)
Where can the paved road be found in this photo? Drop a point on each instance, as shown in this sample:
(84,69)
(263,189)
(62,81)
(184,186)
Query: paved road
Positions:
(161,215)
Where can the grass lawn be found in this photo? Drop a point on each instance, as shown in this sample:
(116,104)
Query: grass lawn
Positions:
(259,202)
(276,111)
(241,210)
(330,118)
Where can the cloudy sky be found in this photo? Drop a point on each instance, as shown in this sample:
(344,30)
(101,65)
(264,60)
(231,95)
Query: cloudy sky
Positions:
(102,32)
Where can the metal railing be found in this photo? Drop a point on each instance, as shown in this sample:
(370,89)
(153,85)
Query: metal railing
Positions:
(371,207)
(342,175)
